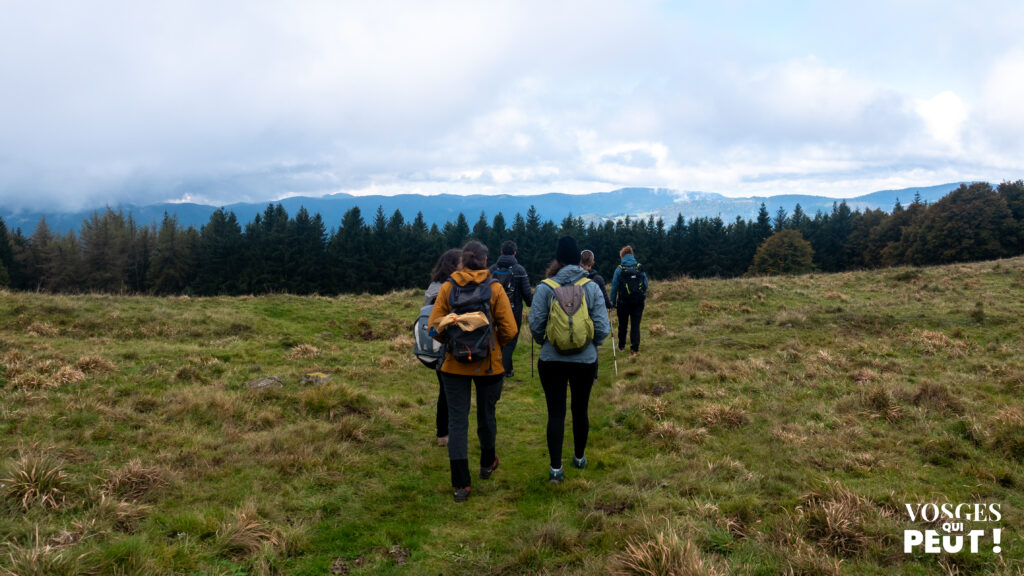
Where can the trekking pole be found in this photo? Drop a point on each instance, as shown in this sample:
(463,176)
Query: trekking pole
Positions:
(615,359)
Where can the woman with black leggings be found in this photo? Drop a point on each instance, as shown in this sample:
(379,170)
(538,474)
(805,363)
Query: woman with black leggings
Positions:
(573,371)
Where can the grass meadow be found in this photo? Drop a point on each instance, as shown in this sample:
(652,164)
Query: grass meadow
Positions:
(769,426)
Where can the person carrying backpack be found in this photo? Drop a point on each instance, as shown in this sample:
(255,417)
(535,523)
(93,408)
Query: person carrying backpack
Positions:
(516,282)
(629,293)
(569,318)
(587,262)
(473,317)
(446,265)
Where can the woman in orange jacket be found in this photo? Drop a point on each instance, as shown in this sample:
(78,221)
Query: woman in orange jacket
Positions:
(471,291)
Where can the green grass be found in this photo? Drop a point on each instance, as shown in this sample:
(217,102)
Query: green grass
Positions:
(769,426)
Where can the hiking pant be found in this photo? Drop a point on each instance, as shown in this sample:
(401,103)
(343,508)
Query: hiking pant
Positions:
(442,408)
(458,389)
(555,377)
(629,314)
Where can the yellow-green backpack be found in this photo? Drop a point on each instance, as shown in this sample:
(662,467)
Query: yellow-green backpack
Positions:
(570,329)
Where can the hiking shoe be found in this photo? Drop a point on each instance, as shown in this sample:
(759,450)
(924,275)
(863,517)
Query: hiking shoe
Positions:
(462,494)
(486,471)
(442,440)
(556,476)
(580,463)
(633,353)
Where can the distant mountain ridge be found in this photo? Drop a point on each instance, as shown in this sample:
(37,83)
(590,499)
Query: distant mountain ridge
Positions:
(633,202)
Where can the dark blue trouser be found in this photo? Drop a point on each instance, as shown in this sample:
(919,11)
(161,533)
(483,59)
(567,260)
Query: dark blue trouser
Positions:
(459,389)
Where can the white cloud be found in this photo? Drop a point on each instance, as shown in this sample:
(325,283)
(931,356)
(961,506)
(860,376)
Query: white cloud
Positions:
(117,101)
(1003,94)
(944,117)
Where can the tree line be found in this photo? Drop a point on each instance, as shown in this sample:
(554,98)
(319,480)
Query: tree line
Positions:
(297,254)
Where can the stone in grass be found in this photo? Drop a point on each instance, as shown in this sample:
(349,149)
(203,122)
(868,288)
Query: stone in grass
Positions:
(266,382)
(316,379)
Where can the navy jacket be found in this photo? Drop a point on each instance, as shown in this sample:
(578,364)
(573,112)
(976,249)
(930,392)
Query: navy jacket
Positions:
(521,291)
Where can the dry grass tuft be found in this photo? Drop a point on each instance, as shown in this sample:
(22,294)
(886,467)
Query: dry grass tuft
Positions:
(303,351)
(864,376)
(39,559)
(68,375)
(15,362)
(706,307)
(938,343)
(28,381)
(665,555)
(41,330)
(123,516)
(246,535)
(724,416)
(790,318)
(656,407)
(670,433)
(881,402)
(35,479)
(1008,432)
(657,329)
(836,296)
(402,343)
(134,481)
(836,518)
(95,365)
(188,373)
(938,397)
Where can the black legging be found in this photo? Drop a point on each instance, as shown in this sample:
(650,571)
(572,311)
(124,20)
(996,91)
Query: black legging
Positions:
(629,314)
(555,377)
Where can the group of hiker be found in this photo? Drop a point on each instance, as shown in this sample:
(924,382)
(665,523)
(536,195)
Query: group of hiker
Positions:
(468,331)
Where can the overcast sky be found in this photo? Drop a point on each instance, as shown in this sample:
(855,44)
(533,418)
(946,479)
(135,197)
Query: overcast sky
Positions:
(107,102)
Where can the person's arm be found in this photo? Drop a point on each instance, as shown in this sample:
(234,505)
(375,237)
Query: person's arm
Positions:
(539,312)
(598,314)
(615,286)
(504,320)
(604,290)
(524,287)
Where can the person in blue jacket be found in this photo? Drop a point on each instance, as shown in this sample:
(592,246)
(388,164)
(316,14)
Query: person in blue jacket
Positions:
(573,371)
(629,293)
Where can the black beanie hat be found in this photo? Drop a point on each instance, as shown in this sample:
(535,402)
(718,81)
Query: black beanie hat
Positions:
(568,252)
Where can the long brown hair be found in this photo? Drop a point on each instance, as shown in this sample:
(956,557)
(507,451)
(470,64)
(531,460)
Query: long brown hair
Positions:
(474,256)
(553,268)
(446,264)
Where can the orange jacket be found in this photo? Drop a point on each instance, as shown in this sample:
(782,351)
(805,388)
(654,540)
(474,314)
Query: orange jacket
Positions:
(501,313)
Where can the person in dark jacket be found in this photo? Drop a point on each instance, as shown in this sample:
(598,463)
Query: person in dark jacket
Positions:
(572,371)
(629,296)
(446,265)
(587,261)
(512,275)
